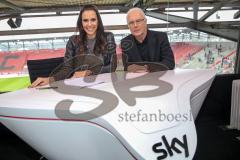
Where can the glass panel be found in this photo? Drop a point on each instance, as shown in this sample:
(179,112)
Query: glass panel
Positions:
(197,50)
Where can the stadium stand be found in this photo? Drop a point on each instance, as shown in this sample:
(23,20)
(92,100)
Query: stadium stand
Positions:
(183,50)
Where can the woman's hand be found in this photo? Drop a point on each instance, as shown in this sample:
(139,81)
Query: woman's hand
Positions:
(40,81)
(82,74)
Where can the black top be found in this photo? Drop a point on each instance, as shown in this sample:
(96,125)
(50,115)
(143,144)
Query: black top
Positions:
(90,45)
(73,61)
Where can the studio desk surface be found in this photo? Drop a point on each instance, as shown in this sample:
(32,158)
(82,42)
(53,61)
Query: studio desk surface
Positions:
(121,116)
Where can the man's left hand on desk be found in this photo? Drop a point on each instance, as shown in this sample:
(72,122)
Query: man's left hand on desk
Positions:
(137,68)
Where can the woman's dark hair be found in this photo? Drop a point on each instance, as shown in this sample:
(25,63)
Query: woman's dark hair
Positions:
(100,36)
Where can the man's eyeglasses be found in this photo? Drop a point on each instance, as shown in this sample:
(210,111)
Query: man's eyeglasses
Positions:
(137,22)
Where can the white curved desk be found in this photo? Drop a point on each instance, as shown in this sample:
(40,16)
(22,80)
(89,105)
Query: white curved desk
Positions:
(159,126)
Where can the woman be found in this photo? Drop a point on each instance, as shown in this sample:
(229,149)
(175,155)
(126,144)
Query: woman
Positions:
(93,51)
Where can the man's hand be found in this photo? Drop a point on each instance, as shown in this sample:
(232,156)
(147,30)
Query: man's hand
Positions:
(137,68)
(40,81)
(82,74)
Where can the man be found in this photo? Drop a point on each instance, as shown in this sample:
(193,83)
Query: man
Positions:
(145,50)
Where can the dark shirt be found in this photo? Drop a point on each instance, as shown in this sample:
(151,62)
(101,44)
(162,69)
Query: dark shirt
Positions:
(143,48)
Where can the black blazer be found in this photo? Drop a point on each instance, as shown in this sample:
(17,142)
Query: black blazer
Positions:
(96,63)
(160,52)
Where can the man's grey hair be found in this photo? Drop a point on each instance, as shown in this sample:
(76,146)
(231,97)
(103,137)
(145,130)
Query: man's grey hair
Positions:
(135,9)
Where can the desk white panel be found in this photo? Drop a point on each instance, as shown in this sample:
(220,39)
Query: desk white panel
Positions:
(143,129)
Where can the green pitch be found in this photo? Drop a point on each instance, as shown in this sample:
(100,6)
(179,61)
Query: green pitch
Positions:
(13,84)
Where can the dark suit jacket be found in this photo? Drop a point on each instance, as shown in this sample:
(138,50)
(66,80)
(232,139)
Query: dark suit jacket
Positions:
(160,53)
(73,61)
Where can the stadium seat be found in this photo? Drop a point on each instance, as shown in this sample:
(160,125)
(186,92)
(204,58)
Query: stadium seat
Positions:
(42,67)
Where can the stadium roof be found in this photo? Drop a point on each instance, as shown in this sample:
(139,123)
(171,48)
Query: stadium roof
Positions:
(10,7)
(160,9)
